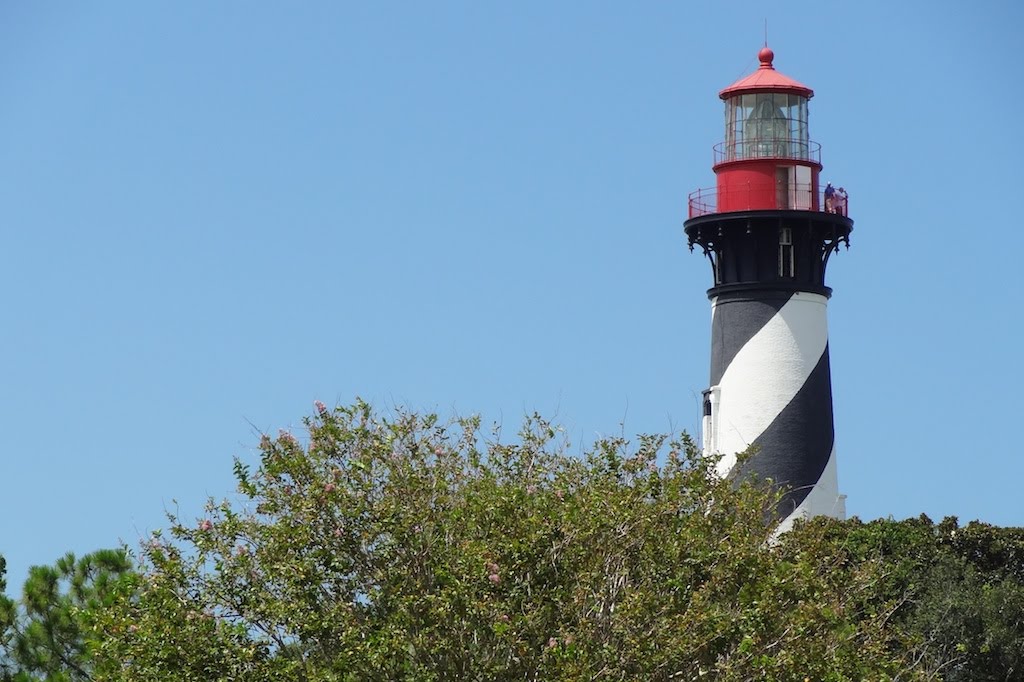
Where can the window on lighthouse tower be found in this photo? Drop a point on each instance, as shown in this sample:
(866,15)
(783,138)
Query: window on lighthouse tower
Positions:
(786,252)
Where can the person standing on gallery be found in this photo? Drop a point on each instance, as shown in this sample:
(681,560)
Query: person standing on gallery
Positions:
(839,201)
(830,194)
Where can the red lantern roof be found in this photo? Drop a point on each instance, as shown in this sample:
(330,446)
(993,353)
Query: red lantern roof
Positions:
(766,79)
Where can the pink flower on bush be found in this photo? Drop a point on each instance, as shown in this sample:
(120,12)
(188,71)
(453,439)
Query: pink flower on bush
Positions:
(330,488)
(494,578)
(552,643)
(320,407)
(205,525)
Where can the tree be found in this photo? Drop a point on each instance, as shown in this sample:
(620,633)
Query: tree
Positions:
(405,548)
(7,616)
(46,636)
(956,593)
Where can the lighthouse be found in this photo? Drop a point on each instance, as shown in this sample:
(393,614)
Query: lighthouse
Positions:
(768,228)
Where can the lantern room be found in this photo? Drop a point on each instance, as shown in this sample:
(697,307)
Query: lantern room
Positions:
(767,161)
(766,223)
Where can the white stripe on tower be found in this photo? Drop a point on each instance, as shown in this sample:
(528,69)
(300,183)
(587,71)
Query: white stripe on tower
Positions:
(767,372)
(773,390)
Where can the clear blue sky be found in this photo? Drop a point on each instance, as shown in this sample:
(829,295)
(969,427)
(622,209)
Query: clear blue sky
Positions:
(214,214)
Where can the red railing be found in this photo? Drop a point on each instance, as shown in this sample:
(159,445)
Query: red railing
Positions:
(763,196)
(803,150)
(703,201)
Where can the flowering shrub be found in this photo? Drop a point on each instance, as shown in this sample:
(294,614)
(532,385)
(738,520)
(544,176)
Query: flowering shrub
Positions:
(403,547)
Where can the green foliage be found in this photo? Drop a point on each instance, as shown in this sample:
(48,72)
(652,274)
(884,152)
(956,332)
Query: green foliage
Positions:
(970,613)
(406,548)
(956,593)
(8,613)
(47,637)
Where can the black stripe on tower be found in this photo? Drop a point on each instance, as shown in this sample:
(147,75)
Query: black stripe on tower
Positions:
(796,446)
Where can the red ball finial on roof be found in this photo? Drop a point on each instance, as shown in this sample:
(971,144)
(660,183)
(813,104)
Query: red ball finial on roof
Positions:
(766,56)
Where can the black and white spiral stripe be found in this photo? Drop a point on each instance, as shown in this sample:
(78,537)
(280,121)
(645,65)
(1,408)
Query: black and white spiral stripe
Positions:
(771,388)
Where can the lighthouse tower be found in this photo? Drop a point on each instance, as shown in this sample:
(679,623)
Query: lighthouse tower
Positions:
(768,228)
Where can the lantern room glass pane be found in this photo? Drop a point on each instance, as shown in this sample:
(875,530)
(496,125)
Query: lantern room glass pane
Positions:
(730,126)
(767,130)
(766,124)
